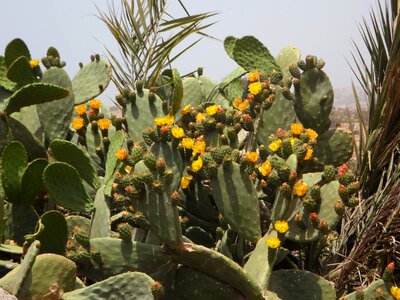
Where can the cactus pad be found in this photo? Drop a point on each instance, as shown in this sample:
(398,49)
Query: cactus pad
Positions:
(16,48)
(194,285)
(54,236)
(56,116)
(32,180)
(75,156)
(13,162)
(34,93)
(334,147)
(64,186)
(135,286)
(314,99)
(252,55)
(236,198)
(303,286)
(86,83)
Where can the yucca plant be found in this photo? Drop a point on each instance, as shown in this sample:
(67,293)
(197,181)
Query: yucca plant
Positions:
(378,78)
(369,235)
(147,37)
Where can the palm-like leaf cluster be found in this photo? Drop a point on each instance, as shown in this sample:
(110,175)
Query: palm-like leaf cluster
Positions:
(147,36)
(377,76)
(370,235)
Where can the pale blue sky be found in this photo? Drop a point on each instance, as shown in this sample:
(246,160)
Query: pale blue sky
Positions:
(321,27)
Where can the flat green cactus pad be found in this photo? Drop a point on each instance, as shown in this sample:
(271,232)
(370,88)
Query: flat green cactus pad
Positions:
(194,285)
(135,286)
(236,198)
(48,269)
(16,48)
(64,186)
(75,156)
(13,163)
(20,72)
(371,292)
(218,266)
(56,116)
(32,180)
(101,222)
(53,238)
(32,94)
(261,261)
(5,83)
(118,256)
(91,80)
(301,285)
(335,147)
(252,55)
(314,100)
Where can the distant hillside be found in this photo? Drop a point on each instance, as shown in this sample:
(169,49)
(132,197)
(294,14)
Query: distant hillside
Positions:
(345,97)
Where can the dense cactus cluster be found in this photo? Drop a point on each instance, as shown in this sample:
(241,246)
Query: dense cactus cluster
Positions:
(197,191)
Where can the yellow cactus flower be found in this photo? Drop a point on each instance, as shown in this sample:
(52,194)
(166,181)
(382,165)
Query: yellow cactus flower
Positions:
(253,76)
(255,88)
(78,123)
(177,132)
(281,226)
(296,128)
(186,109)
(199,147)
(300,188)
(104,124)
(312,135)
(185,181)
(169,120)
(128,169)
(273,242)
(395,291)
(164,121)
(212,110)
(308,154)
(121,154)
(95,104)
(266,168)
(292,141)
(237,102)
(275,145)
(34,63)
(200,117)
(159,121)
(187,143)
(197,164)
(251,157)
(81,109)
(245,104)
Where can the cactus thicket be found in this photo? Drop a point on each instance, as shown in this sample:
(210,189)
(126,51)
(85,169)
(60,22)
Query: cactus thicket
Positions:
(197,190)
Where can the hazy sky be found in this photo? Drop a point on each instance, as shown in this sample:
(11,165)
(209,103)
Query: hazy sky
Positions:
(324,28)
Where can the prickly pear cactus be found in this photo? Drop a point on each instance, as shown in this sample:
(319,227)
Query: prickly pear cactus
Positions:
(196,190)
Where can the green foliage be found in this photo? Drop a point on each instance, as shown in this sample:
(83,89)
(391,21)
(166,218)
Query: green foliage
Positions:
(208,189)
(62,179)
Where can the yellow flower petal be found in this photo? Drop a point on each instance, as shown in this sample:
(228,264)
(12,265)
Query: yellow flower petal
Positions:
(266,168)
(273,242)
(275,145)
(78,123)
(177,132)
(296,128)
(212,110)
(34,63)
(185,181)
(281,226)
(187,143)
(197,164)
(300,188)
(255,88)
